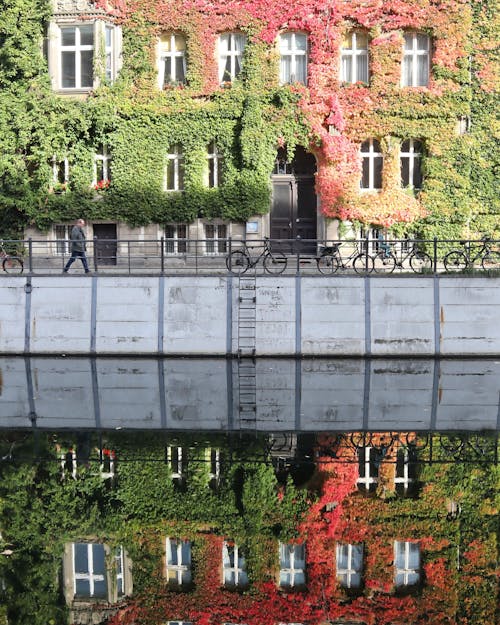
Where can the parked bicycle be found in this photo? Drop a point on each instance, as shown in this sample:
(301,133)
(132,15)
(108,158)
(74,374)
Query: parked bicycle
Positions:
(330,260)
(10,264)
(473,251)
(385,260)
(240,260)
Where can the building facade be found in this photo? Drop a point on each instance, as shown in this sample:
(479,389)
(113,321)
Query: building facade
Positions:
(207,120)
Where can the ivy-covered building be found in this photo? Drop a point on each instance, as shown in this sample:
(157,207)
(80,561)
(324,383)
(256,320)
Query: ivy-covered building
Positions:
(202,120)
(354,528)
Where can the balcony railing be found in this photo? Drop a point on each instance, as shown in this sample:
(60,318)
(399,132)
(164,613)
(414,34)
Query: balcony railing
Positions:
(302,257)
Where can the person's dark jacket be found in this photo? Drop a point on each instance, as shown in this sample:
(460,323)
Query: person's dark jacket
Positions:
(78,240)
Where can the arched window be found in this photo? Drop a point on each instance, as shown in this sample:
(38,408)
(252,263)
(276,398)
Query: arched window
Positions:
(410,159)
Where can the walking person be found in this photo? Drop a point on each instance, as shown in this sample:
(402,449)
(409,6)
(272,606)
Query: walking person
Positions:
(78,246)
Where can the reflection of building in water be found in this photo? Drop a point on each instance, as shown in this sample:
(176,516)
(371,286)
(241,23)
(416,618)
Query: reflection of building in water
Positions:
(356,527)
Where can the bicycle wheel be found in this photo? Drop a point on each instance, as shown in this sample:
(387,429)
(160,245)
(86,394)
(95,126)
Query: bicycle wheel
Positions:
(275,262)
(363,263)
(237,262)
(327,264)
(383,263)
(420,262)
(455,261)
(12,264)
(490,261)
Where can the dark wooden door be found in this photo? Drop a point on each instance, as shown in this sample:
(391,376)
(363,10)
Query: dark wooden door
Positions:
(294,204)
(106,244)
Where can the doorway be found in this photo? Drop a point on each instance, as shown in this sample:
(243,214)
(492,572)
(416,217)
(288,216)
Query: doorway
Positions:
(106,244)
(294,202)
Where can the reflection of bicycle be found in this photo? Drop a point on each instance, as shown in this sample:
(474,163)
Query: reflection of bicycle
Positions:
(458,260)
(385,261)
(238,261)
(330,260)
(10,264)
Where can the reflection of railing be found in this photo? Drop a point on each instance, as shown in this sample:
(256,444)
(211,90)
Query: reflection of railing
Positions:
(424,447)
(208,256)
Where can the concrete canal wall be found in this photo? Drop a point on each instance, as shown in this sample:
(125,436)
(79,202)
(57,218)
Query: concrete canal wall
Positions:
(291,315)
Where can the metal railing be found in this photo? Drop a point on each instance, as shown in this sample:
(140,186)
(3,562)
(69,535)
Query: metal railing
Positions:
(304,257)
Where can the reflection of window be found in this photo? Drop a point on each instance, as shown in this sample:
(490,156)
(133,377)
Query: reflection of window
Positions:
(174,169)
(94,574)
(368,464)
(176,460)
(231,47)
(354,65)
(172,60)
(102,166)
(293,58)
(178,561)
(406,471)
(415,60)
(406,563)
(292,565)
(215,238)
(68,456)
(234,566)
(410,159)
(62,234)
(175,238)
(215,162)
(349,565)
(213,457)
(371,160)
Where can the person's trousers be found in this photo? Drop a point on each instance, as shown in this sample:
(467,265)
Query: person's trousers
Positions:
(74,256)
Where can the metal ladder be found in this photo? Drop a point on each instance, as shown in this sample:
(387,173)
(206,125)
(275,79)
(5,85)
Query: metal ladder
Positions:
(246,351)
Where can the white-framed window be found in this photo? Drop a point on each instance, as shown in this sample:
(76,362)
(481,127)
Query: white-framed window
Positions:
(174,169)
(176,239)
(231,46)
(292,565)
(410,156)
(59,170)
(216,238)
(176,459)
(416,58)
(371,164)
(406,563)
(406,471)
(102,166)
(349,559)
(233,566)
(368,467)
(215,166)
(293,58)
(171,60)
(371,238)
(178,561)
(62,235)
(75,54)
(179,623)
(354,57)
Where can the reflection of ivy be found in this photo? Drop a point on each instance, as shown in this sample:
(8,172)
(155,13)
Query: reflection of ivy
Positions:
(143,506)
(254,116)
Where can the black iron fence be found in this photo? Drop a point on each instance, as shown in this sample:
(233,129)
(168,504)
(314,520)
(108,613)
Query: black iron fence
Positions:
(236,256)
